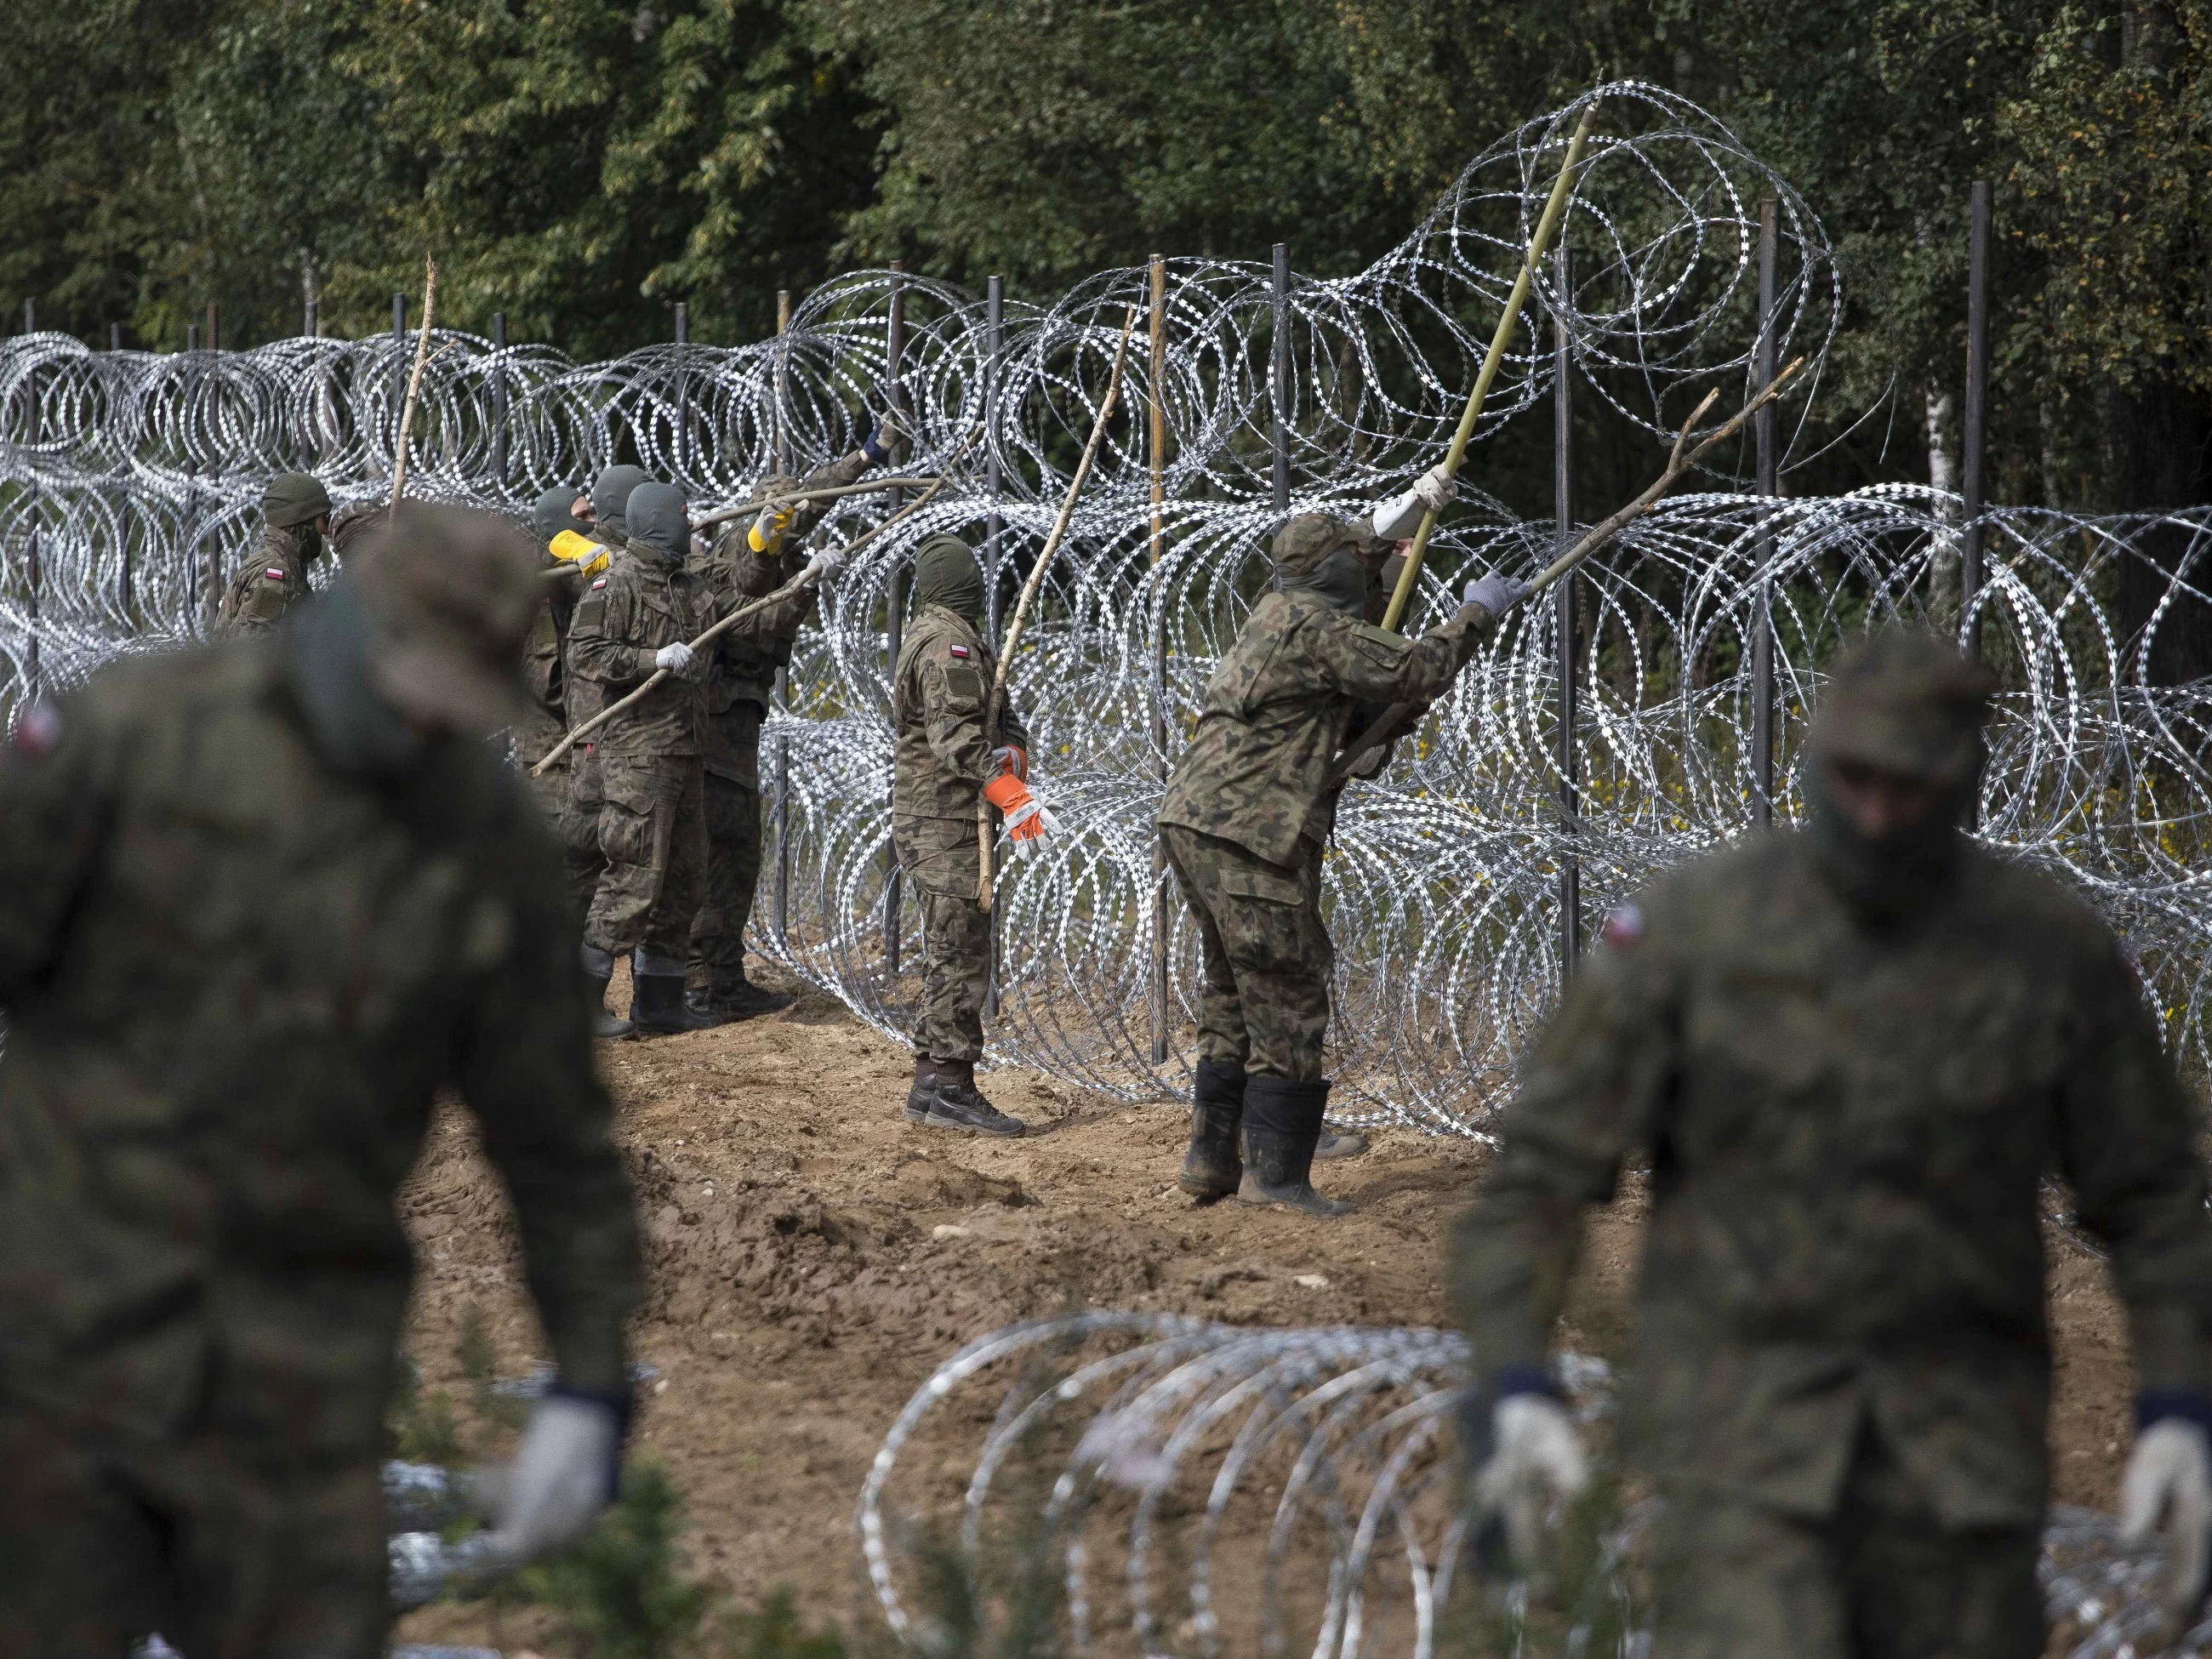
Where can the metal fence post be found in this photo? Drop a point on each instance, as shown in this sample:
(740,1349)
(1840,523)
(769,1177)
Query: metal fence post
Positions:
(398,368)
(895,590)
(1279,378)
(1762,623)
(499,441)
(994,321)
(782,695)
(1564,617)
(1158,690)
(213,327)
(1973,478)
(682,389)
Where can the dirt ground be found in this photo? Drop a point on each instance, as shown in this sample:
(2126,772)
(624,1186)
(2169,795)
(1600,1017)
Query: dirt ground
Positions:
(812,1257)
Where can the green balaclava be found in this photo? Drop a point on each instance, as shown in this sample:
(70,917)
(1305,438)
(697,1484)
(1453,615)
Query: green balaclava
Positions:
(945,573)
(293,502)
(327,642)
(1320,555)
(1906,702)
(658,517)
(549,515)
(611,493)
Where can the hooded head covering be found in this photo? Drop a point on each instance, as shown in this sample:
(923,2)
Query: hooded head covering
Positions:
(1326,556)
(945,573)
(424,632)
(1906,702)
(551,514)
(611,493)
(658,517)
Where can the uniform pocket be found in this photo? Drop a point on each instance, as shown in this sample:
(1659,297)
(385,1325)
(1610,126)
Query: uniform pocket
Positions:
(1258,885)
(1262,919)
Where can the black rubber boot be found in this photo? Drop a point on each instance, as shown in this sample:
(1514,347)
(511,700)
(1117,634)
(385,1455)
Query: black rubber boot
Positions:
(1338,1143)
(1211,1167)
(1282,1124)
(600,969)
(736,998)
(923,1094)
(957,1104)
(658,1010)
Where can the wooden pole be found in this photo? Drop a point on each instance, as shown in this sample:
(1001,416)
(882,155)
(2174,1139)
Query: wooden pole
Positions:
(993,707)
(1554,208)
(413,384)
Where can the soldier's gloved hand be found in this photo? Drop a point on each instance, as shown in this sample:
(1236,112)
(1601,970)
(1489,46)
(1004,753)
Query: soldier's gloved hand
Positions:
(766,535)
(890,430)
(565,1474)
(1026,818)
(676,658)
(826,562)
(1496,594)
(1436,488)
(1013,760)
(1537,1461)
(2168,1488)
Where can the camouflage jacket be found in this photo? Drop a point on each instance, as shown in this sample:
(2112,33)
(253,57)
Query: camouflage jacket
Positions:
(940,753)
(265,586)
(1277,711)
(545,668)
(235,979)
(1847,1133)
(641,603)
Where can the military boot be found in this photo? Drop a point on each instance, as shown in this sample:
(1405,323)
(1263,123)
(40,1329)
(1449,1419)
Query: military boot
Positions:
(1338,1143)
(1211,1167)
(600,969)
(656,1009)
(735,997)
(1282,1126)
(922,1094)
(957,1104)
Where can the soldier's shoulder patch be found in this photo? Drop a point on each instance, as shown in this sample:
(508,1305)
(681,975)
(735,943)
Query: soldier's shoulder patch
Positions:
(1624,926)
(37,730)
(960,651)
(599,584)
(273,574)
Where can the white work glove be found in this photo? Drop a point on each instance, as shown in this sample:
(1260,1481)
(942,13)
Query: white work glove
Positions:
(676,658)
(1436,488)
(1495,593)
(561,1478)
(826,562)
(2168,1488)
(1537,1461)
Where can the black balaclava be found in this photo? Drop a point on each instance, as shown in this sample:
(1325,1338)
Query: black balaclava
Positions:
(659,517)
(611,493)
(551,513)
(326,649)
(1887,878)
(945,573)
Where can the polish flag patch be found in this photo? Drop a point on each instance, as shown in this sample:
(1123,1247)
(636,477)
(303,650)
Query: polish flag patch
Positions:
(960,651)
(274,574)
(602,582)
(1624,926)
(37,730)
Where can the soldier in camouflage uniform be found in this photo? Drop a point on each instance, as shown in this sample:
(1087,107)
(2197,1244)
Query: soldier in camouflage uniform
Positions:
(545,654)
(637,618)
(351,524)
(1852,1056)
(1246,812)
(945,753)
(753,557)
(295,510)
(259,904)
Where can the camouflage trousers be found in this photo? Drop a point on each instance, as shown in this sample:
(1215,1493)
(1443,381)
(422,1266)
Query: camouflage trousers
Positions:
(1880,1579)
(652,834)
(734,865)
(550,791)
(1266,954)
(226,1543)
(943,871)
(580,826)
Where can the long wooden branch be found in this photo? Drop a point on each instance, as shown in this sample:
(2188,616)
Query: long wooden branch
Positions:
(1394,720)
(414,384)
(826,493)
(995,707)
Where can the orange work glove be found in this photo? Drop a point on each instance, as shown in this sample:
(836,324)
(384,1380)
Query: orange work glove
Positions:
(1013,760)
(1025,818)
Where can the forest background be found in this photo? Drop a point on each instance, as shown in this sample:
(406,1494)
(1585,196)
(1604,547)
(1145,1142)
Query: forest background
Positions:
(582,166)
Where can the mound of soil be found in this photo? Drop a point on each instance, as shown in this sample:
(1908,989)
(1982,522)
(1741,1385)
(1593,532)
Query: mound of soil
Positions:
(812,1257)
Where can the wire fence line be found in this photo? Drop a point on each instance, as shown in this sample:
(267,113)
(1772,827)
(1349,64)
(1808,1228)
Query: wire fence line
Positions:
(129,487)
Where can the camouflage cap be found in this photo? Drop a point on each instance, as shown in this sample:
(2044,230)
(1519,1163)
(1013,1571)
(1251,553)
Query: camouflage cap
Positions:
(451,592)
(294,498)
(1906,701)
(1304,542)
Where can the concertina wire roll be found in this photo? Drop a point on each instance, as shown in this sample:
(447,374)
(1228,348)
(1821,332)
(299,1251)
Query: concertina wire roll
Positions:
(130,484)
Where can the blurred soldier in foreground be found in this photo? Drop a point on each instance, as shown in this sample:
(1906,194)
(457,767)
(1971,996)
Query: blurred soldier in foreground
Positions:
(635,618)
(258,905)
(295,510)
(1851,1055)
(605,526)
(943,756)
(1246,815)
(753,557)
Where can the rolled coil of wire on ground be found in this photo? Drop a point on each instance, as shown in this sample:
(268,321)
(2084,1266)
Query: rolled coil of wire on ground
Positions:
(128,484)
(1157,1485)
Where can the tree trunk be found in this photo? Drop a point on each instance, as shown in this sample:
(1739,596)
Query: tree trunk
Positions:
(2157,456)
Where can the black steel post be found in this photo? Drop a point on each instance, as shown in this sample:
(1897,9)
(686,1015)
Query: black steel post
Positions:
(398,369)
(1973,477)
(30,316)
(1279,378)
(780,447)
(895,591)
(683,392)
(1564,617)
(1762,622)
(995,317)
(213,327)
(115,337)
(498,442)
